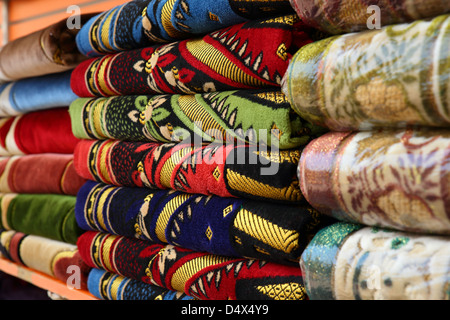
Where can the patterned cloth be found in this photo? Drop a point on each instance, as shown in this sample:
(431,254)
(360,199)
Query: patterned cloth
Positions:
(39,173)
(351,262)
(46,215)
(109,286)
(38,93)
(343,16)
(250,55)
(391,77)
(215,169)
(44,131)
(394,179)
(222,226)
(241,115)
(49,50)
(200,275)
(53,258)
(137,24)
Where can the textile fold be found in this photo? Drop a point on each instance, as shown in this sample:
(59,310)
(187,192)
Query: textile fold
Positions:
(197,274)
(215,169)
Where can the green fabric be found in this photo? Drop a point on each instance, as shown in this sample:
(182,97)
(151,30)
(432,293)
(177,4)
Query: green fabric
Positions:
(47,215)
(211,117)
(317,259)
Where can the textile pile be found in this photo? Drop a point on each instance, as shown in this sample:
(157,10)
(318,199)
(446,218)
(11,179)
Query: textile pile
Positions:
(383,169)
(190,151)
(38,180)
(235,150)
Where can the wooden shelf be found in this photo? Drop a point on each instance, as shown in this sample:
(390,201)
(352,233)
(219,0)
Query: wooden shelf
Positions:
(44,281)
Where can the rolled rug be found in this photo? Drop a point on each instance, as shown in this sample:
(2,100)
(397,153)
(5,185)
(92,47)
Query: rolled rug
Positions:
(393,179)
(37,132)
(215,169)
(249,55)
(353,262)
(54,258)
(393,77)
(46,215)
(37,93)
(224,226)
(52,173)
(50,50)
(199,275)
(240,115)
(110,286)
(344,16)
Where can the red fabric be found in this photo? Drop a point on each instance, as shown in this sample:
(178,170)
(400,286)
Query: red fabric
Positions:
(46,131)
(42,173)
(4,129)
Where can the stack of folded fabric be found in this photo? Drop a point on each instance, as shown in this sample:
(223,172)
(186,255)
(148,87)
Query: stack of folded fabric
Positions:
(38,180)
(191,151)
(384,169)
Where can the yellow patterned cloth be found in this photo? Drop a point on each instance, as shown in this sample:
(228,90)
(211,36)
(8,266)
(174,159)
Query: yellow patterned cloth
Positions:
(392,77)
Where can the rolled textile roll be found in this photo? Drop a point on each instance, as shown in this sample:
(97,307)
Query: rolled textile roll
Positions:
(110,286)
(54,258)
(47,215)
(50,50)
(215,169)
(344,16)
(353,262)
(393,179)
(224,226)
(249,55)
(393,77)
(199,275)
(243,114)
(51,173)
(37,93)
(37,132)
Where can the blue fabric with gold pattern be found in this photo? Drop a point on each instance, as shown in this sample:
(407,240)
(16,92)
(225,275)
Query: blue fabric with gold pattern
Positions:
(224,226)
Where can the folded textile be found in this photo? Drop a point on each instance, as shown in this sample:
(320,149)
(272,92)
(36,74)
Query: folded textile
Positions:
(343,16)
(352,262)
(54,258)
(37,93)
(137,24)
(49,50)
(114,30)
(39,173)
(44,131)
(109,286)
(47,215)
(220,116)
(215,169)
(392,77)
(224,226)
(393,179)
(199,275)
(249,55)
